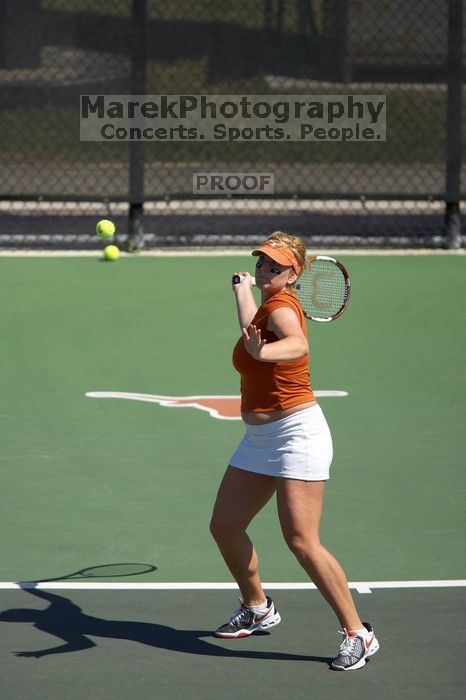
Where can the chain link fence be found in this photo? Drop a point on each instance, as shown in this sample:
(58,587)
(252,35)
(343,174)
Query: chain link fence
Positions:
(404,190)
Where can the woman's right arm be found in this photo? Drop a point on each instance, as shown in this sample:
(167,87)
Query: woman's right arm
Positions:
(245,303)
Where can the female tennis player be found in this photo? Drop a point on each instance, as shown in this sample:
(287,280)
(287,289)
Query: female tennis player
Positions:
(286,450)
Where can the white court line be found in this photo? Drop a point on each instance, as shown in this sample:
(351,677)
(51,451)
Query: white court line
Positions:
(359,586)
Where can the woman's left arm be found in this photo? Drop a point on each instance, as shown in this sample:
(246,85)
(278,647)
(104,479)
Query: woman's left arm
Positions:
(291,344)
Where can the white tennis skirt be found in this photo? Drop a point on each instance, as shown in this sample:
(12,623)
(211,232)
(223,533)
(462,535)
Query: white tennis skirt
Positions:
(296,447)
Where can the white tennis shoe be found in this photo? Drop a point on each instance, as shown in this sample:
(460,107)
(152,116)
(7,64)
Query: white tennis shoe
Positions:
(245,621)
(355,649)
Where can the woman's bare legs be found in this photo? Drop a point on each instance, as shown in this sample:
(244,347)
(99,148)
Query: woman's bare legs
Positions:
(240,497)
(299,507)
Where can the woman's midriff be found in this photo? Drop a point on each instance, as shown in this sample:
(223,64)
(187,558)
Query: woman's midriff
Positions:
(258,417)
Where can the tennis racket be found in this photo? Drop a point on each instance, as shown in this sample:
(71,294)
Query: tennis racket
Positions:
(323,289)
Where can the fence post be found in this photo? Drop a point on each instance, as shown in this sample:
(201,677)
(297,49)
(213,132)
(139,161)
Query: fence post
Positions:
(137,148)
(340,39)
(20,34)
(453,136)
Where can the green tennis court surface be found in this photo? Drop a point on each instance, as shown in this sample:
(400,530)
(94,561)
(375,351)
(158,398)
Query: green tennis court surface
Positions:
(103,481)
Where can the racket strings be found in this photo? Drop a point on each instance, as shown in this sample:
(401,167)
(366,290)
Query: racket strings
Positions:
(322,291)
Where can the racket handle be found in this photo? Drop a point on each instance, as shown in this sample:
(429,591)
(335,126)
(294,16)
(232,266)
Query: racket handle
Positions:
(236,279)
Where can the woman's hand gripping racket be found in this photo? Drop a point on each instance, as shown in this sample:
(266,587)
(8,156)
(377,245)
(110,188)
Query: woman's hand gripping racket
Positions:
(323,288)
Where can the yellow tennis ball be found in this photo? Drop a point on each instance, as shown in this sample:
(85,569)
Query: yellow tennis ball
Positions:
(111,252)
(105,228)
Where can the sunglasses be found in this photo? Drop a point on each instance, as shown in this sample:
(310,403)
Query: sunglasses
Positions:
(272,267)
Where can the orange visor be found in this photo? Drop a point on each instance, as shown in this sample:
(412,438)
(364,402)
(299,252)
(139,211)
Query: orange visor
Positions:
(280,254)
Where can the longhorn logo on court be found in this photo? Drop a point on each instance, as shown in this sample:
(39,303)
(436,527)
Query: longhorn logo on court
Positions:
(224,407)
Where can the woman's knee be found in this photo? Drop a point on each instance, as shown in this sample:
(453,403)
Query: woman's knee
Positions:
(222,529)
(303,548)
(215,527)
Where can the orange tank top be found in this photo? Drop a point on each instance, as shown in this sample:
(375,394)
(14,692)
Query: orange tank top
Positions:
(272,386)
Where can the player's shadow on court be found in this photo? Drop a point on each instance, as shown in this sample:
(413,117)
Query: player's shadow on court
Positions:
(65,620)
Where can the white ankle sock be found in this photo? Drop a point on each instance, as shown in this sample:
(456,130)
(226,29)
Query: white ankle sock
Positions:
(258,608)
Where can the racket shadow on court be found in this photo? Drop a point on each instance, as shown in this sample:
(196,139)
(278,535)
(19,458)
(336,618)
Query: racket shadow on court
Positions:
(66,621)
(118,571)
